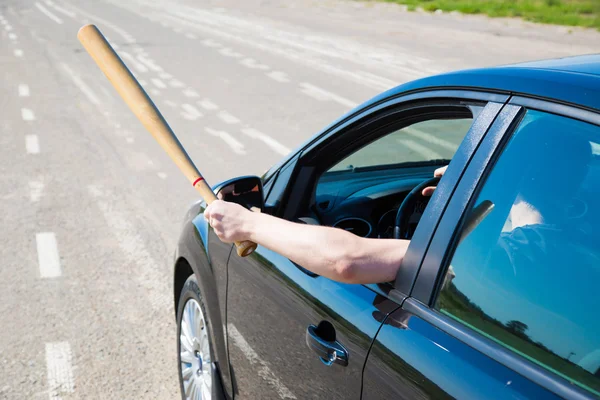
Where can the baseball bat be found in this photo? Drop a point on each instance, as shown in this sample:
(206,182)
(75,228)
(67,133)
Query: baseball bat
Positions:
(144,109)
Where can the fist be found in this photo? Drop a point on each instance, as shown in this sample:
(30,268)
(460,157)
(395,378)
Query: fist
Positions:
(229,220)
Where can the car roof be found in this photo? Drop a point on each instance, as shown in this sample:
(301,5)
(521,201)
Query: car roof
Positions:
(574,80)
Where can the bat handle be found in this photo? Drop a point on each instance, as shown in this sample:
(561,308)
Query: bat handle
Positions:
(245,248)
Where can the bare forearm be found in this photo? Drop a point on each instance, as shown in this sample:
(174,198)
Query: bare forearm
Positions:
(329,252)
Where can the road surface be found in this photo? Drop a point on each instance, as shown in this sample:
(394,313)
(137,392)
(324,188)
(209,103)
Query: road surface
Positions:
(91,205)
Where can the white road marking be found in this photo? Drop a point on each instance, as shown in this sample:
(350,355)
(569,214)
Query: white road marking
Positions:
(211,43)
(431,139)
(8,28)
(269,141)
(32,144)
(237,146)
(227,118)
(61,10)
(191,36)
(23,90)
(85,89)
(424,151)
(176,84)
(227,52)
(252,63)
(177,30)
(135,63)
(142,82)
(164,24)
(130,140)
(48,258)
(155,92)
(148,272)
(190,93)
(35,190)
(125,35)
(171,103)
(263,367)
(27,114)
(158,83)
(59,369)
(18,53)
(149,63)
(12,36)
(207,105)
(191,111)
(162,175)
(165,75)
(48,13)
(278,76)
(323,95)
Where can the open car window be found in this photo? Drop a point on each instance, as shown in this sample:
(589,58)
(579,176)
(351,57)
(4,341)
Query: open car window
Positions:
(422,142)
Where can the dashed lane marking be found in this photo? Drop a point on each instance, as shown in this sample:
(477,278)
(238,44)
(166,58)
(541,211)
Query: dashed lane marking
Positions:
(278,76)
(253,64)
(190,93)
(35,190)
(27,114)
(135,63)
(59,369)
(68,13)
(162,175)
(44,10)
(323,95)
(85,89)
(165,75)
(176,84)
(227,52)
(158,83)
(12,36)
(207,104)
(266,139)
(48,259)
(227,118)
(190,112)
(32,144)
(263,367)
(149,63)
(235,145)
(23,90)
(171,103)
(191,36)
(18,53)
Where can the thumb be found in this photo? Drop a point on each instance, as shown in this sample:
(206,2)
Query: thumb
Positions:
(428,191)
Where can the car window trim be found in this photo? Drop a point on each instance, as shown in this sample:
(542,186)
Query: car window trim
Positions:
(530,370)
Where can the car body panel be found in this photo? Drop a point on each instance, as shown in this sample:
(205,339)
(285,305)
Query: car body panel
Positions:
(413,359)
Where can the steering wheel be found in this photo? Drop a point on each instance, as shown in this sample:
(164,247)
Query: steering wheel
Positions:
(401,225)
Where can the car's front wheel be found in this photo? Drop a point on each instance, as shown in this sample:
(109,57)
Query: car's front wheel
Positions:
(196,372)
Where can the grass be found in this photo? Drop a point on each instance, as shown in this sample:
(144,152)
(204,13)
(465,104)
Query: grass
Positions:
(585,13)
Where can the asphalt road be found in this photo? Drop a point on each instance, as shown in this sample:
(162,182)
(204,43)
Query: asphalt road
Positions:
(91,206)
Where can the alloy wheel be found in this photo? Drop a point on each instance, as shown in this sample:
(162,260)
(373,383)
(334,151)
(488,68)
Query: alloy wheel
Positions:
(195,358)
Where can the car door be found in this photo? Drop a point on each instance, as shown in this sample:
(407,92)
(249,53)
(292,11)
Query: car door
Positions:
(291,333)
(505,304)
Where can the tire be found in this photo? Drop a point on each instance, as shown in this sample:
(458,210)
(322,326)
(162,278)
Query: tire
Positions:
(197,373)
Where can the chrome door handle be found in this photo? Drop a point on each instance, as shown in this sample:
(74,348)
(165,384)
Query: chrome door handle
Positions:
(330,352)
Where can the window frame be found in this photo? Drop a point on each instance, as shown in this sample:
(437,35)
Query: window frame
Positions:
(443,243)
(303,178)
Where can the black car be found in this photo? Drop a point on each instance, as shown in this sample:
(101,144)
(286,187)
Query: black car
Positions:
(497,296)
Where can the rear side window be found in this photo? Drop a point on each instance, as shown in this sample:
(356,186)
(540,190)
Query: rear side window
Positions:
(528,276)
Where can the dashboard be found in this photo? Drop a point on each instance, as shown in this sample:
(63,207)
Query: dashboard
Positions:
(366,203)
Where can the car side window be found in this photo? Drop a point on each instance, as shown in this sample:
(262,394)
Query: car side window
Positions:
(527,276)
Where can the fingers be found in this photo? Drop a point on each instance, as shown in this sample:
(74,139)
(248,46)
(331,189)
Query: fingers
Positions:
(428,191)
(439,172)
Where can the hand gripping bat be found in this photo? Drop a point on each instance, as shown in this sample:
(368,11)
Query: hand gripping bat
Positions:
(144,109)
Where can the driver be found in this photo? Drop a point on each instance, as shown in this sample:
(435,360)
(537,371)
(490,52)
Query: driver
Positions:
(330,252)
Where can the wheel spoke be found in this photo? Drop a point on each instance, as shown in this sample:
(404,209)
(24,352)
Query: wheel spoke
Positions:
(186,356)
(186,343)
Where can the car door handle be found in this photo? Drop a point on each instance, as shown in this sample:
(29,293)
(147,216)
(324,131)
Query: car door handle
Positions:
(330,352)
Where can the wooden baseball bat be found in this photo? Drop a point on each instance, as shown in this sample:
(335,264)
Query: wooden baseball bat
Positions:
(144,109)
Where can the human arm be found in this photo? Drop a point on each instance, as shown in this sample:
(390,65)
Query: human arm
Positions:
(326,251)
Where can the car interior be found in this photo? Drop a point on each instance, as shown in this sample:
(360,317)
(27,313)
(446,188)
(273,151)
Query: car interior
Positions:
(374,189)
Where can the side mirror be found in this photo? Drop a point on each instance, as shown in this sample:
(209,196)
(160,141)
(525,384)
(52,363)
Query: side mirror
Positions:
(246,191)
